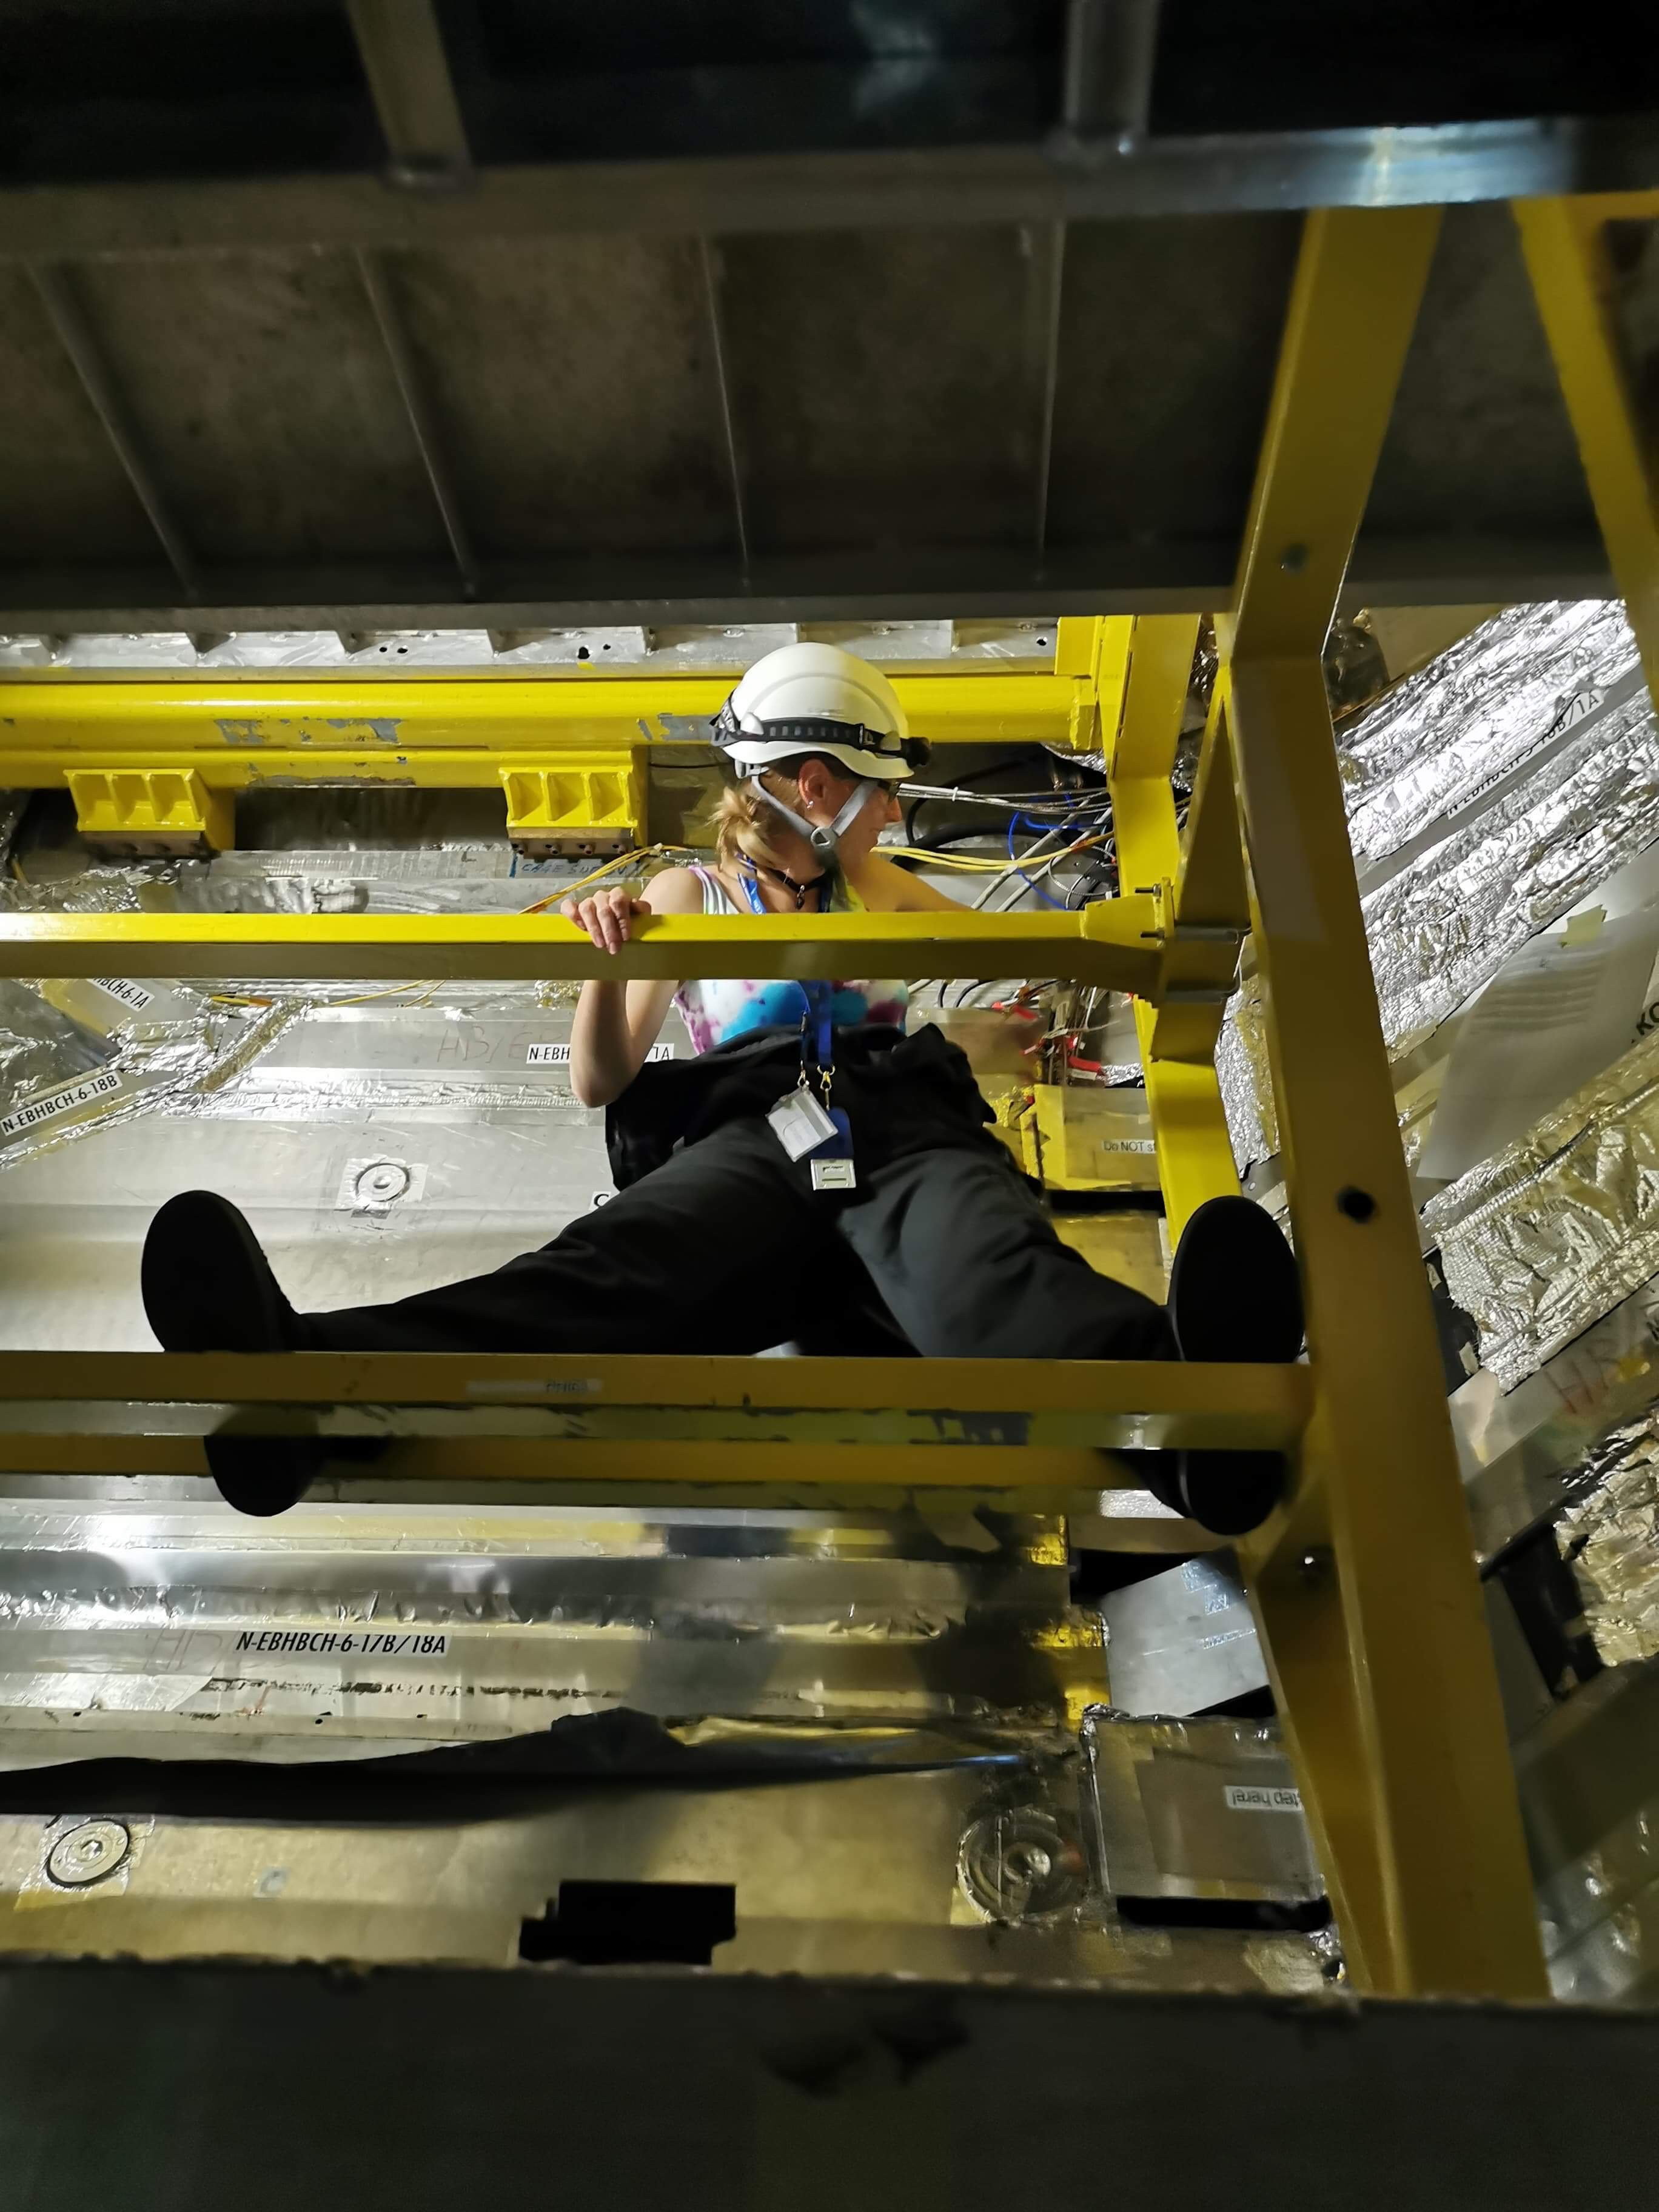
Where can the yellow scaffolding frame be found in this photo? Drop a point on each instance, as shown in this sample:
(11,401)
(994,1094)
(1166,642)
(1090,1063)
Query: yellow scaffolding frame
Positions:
(1363,1580)
(1576,286)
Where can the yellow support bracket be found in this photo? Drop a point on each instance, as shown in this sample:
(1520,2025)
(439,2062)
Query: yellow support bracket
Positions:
(1576,286)
(145,811)
(1363,1583)
(585,803)
(1194,1154)
(1095,649)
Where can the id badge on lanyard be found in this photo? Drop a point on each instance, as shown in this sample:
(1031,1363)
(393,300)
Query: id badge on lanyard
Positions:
(807,1126)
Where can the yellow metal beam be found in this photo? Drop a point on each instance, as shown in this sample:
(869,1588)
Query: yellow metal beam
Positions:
(1574,283)
(1212,906)
(424,730)
(1195,1156)
(885,1478)
(1365,1584)
(1114,943)
(1075,1405)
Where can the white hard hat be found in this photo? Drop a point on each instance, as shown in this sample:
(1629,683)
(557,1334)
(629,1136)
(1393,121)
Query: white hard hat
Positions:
(815,698)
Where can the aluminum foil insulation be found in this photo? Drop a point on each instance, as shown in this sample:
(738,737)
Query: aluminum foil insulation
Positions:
(1437,740)
(348,1624)
(1486,796)
(1548,1234)
(1443,926)
(88,1053)
(1611,1536)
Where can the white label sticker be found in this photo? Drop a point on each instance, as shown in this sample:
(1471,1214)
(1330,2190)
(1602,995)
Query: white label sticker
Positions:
(130,994)
(348,1643)
(1256,1798)
(60,1102)
(558,1055)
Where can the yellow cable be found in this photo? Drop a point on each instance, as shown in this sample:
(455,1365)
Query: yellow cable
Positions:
(968,862)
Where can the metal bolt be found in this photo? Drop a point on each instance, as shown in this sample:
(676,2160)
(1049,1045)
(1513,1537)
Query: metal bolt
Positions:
(1313,1566)
(1293,559)
(384,1181)
(90,1853)
(1359,1205)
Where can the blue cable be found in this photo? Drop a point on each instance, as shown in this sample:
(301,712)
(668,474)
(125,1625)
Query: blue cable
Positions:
(1014,821)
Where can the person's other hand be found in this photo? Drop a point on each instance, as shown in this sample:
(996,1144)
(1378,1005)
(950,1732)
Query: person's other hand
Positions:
(606,916)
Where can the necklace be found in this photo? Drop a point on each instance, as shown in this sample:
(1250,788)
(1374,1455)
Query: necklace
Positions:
(783,876)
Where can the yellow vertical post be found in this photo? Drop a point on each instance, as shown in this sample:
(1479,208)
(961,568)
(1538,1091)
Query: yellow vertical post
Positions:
(1195,1156)
(1094,649)
(1572,277)
(1364,1582)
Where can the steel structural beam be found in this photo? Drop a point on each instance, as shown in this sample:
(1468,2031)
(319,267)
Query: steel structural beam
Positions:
(403,56)
(423,423)
(1110,577)
(1067,179)
(1076,1406)
(1194,1154)
(1574,283)
(1210,906)
(1116,943)
(62,300)
(441,730)
(1365,1584)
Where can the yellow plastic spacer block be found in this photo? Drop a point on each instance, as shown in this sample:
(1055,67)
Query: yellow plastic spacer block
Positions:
(152,810)
(588,802)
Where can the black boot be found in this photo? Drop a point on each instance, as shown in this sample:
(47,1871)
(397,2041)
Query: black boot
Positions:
(208,1287)
(1234,1295)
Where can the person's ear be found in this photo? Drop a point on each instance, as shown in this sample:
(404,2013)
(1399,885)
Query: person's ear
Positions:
(815,785)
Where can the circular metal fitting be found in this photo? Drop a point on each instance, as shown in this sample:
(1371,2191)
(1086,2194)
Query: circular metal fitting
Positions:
(87,1854)
(382,1181)
(1015,1862)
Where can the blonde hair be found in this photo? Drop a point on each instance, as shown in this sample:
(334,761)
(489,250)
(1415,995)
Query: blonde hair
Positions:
(742,823)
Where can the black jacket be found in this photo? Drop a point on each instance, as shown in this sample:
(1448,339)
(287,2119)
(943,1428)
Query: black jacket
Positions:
(900,1093)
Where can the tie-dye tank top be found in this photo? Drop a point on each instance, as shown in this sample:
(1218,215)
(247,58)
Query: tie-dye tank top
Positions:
(730,1007)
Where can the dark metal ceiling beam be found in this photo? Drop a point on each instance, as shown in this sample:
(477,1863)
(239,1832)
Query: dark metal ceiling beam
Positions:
(1046,247)
(422,416)
(1070,179)
(1110,46)
(728,427)
(408,72)
(992,582)
(80,342)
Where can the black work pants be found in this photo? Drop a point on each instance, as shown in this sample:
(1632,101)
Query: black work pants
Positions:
(726,1248)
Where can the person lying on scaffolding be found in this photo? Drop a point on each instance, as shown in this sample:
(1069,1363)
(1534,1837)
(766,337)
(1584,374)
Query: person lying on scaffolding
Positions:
(816,1174)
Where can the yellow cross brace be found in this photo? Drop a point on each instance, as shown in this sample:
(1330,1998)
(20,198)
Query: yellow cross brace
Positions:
(1116,943)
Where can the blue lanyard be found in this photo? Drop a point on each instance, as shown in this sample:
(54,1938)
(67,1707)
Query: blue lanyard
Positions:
(818,998)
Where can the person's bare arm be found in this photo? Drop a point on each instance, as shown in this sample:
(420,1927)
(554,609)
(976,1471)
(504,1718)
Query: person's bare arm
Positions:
(888,889)
(617,1024)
